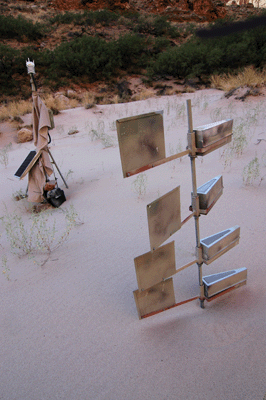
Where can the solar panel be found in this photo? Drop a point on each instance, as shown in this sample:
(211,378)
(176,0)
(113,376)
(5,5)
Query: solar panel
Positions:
(27,164)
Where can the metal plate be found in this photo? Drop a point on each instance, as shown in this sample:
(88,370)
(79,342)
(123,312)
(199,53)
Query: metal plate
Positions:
(217,283)
(164,217)
(141,140)
(156,298)
(152,268)
(209,193)
(215,245)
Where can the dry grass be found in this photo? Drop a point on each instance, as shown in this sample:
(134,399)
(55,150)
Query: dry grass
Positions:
(55,103)
(15,109)
(88,100)
(248,77)
(115,99)
(58,103)
(144,94)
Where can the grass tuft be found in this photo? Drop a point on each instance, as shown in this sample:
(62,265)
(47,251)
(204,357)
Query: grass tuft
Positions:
(251,172)
(250,77)
(15,109)
(39,232)
(4,154)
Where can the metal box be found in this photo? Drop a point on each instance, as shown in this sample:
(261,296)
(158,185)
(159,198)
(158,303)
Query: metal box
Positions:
(209,193)
(141,140)
(216,245)
(212,136)
(217,283)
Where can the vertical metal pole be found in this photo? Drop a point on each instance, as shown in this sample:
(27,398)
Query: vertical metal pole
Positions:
(33,83)
(195,198)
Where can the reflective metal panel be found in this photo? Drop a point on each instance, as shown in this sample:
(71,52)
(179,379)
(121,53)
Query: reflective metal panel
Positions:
(156,298)
(215,245)
(216,283)
(153,267)
(141,140)
(164,217)
(209,193)
(211,136)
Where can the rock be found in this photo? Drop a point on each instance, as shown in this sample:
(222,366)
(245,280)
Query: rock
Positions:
(24,135)
(71,93)
(210,9)
(73,131)
(62,99)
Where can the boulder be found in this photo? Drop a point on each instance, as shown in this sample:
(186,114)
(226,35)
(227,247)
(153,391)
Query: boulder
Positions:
(24,135)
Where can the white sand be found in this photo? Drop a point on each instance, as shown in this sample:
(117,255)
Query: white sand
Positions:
(70,329)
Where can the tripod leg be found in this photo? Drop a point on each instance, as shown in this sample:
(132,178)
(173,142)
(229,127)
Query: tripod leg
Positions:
(57,168)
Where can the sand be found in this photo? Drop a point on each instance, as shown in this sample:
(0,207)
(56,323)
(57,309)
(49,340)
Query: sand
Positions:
(69,324)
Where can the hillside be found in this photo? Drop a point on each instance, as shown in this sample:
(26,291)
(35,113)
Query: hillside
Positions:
(51,31)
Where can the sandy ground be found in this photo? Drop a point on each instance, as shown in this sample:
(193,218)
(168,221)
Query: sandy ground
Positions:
(69,326)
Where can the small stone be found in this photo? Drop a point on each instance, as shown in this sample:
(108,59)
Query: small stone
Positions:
(73,131)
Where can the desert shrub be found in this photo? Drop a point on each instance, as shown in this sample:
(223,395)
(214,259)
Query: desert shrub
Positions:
(67,18)
(251,171)
(103,17)
(8,56)
(237,146)
(39,232)
(131,52)
(160,44)
(4,154)
(20,28)
(13,71)
(131,15)
(161,26)
(88,56)
(95,58)
(218,55)
(156,26)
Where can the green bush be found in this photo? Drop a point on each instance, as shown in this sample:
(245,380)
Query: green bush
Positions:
(160,44)
(206,57)
(131,52)
(67,18)
(103,17)
(161,26)
(156,26)
(7,63)
(20,28)
(95,58)
(88,56)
